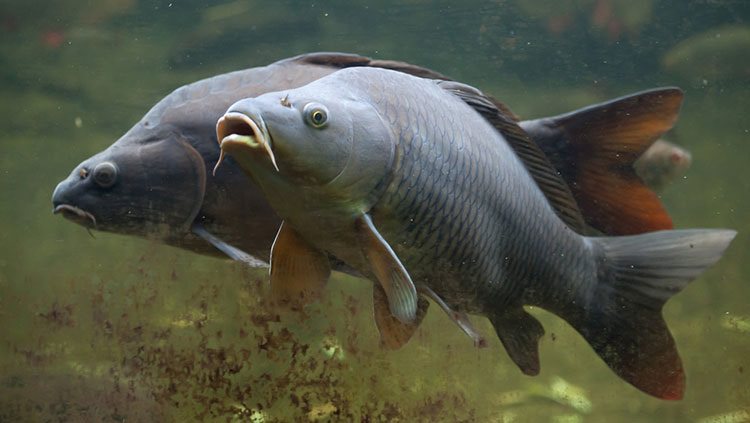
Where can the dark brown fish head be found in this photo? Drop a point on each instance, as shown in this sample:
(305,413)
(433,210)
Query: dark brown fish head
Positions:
(150,183)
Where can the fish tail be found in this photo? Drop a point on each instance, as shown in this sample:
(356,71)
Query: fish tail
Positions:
(622,318)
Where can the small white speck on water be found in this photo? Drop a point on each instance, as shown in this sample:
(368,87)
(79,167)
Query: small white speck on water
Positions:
(170,5)
(78,122)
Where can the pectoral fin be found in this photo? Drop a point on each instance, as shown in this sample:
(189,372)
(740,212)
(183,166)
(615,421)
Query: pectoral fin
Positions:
(231,251)
(299,271)
(398,286)
(393,333)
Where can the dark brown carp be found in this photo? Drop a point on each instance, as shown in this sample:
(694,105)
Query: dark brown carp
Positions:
(402,180)
(155,181)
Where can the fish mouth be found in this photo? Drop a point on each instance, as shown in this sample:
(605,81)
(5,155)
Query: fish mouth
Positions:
(80,216)
(237,132)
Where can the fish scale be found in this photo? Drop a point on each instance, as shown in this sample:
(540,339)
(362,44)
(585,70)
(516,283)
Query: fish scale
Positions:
(433,224)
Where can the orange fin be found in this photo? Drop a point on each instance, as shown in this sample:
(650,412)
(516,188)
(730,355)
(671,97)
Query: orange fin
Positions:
(299,272)
(595,148)
(393,333)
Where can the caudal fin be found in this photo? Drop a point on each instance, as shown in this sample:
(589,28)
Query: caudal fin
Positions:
(622,317)
(594,150)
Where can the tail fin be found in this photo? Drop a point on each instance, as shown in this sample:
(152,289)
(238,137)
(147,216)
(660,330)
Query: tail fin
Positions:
(594,149)
(623,321)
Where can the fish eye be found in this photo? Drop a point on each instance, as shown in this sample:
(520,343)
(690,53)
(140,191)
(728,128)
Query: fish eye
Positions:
(316,115)
(105,174)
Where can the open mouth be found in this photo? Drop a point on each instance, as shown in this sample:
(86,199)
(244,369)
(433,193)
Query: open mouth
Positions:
(82,217)
(236,130)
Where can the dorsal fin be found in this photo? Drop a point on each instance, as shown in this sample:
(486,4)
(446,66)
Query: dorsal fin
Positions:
(345,60)
(332,59)
(594,149)
(536,162)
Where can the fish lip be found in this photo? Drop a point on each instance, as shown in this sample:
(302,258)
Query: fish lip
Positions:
(76,214)
(236,131)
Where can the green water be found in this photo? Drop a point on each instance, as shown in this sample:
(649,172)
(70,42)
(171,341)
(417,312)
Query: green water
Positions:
(114,328)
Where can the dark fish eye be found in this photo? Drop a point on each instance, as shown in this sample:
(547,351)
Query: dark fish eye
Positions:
(105,174)
(316,115)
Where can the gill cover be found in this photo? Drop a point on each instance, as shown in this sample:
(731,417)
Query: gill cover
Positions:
(176,184)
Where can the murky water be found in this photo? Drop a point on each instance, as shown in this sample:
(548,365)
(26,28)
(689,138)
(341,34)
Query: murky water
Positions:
(117,328)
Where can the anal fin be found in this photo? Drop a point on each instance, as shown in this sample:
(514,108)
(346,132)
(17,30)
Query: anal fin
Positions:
(396,282)
(299,272)
(393,333)
(520,332)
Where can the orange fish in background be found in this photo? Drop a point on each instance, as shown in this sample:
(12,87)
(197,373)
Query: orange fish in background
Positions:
(53,38)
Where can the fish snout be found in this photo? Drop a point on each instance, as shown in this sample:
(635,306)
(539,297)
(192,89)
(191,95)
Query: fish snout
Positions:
(243,131)
(63,199)
(72,196)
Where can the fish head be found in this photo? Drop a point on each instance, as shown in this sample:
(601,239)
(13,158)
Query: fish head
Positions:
(315,138)
(149,183)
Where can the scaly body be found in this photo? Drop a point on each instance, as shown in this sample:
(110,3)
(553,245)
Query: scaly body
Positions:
(462,212)
(400,179)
